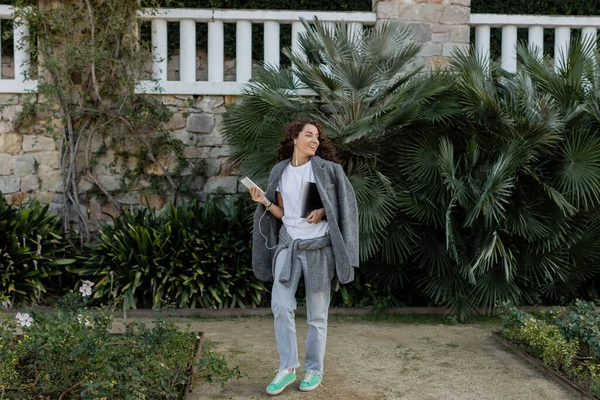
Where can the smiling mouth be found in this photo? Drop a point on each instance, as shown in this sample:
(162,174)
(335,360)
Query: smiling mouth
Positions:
(313,147)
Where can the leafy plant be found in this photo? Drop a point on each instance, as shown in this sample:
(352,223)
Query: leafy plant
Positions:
(581,322)
(474,185)
(71,354)
(33,251)
(192,255)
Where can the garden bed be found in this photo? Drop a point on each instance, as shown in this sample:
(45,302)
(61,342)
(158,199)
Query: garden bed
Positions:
(563,341)
(568,384)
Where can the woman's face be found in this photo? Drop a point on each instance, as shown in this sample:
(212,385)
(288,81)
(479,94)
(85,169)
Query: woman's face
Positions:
(307,141)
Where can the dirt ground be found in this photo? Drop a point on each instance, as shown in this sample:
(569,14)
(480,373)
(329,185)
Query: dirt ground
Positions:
(381,360)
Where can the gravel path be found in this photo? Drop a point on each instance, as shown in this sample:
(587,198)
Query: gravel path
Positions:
(378,360)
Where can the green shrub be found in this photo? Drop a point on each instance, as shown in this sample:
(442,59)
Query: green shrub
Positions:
(581,322)
(192,255)
(72,352)
(33,250)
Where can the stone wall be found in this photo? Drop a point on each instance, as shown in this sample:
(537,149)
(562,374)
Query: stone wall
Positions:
(441,25)
(30,167)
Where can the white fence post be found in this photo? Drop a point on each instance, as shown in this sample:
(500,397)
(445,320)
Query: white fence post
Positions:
(272,43)
(187,50)
(562,41)
(159,49)
(216,50)
(243,51)
(21,45)
(509,48)
(536,40)
(482,43)
(589,33)
(297,29)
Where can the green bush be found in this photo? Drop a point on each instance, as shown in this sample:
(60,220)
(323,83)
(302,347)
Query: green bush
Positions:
(540,339)
(192,255)
(73,353)
(581,322)
(33,250)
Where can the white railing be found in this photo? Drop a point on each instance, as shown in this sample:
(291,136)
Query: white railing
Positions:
(20,83)
(535,24)
(215,85)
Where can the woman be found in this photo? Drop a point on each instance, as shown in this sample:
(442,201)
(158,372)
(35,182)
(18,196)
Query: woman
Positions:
(322,245)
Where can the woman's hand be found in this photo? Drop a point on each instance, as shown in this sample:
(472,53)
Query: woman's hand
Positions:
(315,216)
(258,196)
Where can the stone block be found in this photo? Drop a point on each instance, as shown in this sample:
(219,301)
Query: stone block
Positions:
(422,32)
(197,184)
(184,137)
(9,98)
(84,185)
(109,210)
(432,12)
(437,62)
(29,183)
(10,143)
(5,127)
(33,143)
(9,184)
(110,183)
(461,2)
(5,164)
(152,201)
(51,181)
(213,139)
(211,166)
(221,184)
(460,34)
(128,198)
(455,15)
(170,100)
(451,48)
(43,197)
(196,152)
(17,199)
(11,113)
(209,103)
(435,28)
(48,158)
(177,121)
(24,165)
(200,123)
(440,37)
(221,151)
(387,9)
(431,49)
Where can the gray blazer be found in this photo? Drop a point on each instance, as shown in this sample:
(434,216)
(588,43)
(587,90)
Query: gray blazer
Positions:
(339,202)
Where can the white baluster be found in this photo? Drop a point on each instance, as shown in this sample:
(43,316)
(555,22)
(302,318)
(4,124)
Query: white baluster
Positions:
(216,57)
(187,50)
(536,40)
(21,45)
(271,43)
(562,39)
(297,29)
(509,48)
(243,52)
(159,49)
(482,43)
(589,34)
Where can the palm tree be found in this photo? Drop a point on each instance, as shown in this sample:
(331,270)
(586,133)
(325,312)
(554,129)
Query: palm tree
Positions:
(474,186)
(367,89)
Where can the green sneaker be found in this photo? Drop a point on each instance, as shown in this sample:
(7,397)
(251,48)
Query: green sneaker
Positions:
(310,381)
(281,381)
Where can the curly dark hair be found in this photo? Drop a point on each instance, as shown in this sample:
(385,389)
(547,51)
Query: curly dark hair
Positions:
(291,131)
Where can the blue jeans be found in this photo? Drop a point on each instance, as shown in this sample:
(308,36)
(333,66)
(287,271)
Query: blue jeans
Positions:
(283,304)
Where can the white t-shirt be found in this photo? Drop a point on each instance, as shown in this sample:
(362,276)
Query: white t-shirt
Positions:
(289,187)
